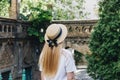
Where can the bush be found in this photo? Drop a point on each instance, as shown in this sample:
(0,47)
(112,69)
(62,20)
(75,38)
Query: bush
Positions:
(39,19)
(104,63)
(77,57)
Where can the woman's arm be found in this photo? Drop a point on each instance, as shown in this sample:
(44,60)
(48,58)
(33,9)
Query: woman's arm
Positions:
(70,76)
(42,78)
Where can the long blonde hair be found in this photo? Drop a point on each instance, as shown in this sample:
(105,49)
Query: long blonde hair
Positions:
(49,60)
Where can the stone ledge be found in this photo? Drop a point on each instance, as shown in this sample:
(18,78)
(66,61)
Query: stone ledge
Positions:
(81,67)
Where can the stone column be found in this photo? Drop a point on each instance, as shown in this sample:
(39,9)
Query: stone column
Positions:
(14,9)
(17,69)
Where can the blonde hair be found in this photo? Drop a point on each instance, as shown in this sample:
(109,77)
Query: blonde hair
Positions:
(49,60)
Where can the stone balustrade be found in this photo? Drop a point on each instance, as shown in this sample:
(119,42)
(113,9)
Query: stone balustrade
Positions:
(81,28)
(16,54)
(13,47)
(10,28)
(78,34)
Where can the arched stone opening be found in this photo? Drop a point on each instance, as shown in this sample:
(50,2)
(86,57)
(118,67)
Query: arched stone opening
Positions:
(78,51)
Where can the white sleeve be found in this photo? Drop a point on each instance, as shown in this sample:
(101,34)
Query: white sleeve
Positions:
(70,62)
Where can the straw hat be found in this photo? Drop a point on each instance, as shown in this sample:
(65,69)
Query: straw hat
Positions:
(55,34)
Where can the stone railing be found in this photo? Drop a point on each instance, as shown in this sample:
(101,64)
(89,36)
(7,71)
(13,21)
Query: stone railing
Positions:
(18,52)
(78,33)
(14,46)
(10,28)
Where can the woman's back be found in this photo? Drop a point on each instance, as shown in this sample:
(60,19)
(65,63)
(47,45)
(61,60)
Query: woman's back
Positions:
(56,63)
(66,64)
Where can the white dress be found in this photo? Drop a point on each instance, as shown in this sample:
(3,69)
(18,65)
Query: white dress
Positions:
(67,64)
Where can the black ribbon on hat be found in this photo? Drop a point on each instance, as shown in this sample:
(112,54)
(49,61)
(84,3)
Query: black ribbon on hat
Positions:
(53,42)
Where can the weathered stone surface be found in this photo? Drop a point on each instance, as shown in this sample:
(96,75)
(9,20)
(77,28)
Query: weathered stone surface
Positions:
(18,52)
(6,57)
(78,34)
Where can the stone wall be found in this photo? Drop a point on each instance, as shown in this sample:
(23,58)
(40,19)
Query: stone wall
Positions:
(78,34)
(18,51)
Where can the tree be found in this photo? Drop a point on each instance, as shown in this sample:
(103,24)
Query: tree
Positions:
(9,8)
(78,57)
(61,9)
(4,8)
(38,17)
(29,9)
(104,63)
(67,9)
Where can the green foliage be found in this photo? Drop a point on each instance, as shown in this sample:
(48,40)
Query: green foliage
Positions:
(67,9)
(77,57)
(4,8)
(104,63)
(61,9)
(40,19)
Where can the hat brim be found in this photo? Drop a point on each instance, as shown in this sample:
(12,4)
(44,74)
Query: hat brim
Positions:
(62,36)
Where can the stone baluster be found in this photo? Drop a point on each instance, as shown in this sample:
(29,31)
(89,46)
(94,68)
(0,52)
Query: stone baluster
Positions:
(10,77)
(3,28)
(7,26)
(23,75)
(11,28)
(0,76)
